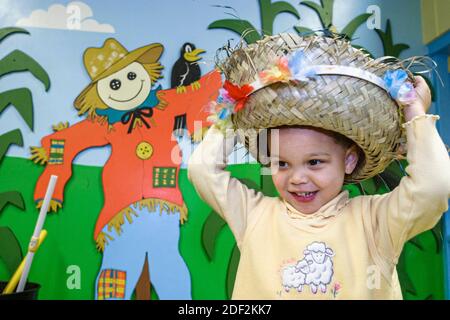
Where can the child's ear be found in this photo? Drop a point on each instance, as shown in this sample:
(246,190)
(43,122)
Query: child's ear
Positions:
(351,159)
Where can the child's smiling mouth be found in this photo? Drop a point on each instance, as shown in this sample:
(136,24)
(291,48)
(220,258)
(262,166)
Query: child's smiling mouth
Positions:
(304,196)
(140,89)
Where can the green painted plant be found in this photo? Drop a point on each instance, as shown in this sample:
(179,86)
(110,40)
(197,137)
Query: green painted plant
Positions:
(21,99)
(268,11)
(325,12)
(389,48)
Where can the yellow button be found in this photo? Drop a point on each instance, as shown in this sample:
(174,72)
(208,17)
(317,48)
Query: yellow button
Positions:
(144,150)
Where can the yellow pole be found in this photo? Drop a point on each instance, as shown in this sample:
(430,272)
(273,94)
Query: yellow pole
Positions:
(12,284)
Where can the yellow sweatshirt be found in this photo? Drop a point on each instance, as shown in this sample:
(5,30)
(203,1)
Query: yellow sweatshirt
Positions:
(349,248)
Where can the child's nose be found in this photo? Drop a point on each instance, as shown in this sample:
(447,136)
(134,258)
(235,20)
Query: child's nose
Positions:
(299,177)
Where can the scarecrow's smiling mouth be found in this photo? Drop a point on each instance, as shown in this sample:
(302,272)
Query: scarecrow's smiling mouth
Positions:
(140,89)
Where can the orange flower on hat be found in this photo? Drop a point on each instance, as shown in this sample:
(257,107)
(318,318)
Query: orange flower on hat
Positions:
(278,73)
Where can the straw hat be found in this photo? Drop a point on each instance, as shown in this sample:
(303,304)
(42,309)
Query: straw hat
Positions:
(342,91)
(112,57)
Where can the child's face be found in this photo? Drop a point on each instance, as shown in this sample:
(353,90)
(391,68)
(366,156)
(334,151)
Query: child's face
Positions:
(309,161)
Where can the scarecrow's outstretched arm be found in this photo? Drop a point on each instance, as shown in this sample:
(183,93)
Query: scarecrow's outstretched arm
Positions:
(59,149)
(192,104)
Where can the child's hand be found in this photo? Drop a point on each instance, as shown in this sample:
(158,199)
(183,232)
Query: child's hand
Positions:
(422,103)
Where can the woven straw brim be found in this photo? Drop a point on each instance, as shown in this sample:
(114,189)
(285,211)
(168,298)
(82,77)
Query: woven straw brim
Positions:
(355,108)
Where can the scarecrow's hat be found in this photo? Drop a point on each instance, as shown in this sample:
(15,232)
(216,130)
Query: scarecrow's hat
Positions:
(112,57)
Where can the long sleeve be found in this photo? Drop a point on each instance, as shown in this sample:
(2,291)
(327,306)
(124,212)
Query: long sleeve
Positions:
(61,148)
(231,199)
(419,201)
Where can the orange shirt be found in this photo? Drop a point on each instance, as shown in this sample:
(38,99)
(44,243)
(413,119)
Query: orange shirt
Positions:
(143,164)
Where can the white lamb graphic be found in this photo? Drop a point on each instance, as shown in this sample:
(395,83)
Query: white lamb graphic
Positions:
(293,279)
(314,270)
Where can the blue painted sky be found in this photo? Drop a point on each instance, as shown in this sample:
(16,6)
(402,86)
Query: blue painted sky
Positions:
(172,22)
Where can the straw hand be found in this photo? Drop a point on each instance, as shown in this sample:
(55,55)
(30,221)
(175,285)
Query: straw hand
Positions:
(53,207)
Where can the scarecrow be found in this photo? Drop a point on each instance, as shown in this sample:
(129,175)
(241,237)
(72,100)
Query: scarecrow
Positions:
(139,223)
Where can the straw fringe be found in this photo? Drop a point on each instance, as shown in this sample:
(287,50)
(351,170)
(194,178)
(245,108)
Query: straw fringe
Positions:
(151,204)
(102,240)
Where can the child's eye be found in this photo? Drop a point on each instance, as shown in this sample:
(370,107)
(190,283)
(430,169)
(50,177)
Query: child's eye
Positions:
(282,164)
(315,162)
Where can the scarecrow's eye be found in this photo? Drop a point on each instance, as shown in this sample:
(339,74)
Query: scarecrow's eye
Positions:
(131,76)
(115,84)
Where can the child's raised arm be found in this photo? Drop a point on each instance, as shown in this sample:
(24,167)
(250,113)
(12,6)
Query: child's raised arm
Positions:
(417,204)
(231,199)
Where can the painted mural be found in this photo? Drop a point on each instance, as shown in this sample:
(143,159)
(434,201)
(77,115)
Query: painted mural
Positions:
(125,110)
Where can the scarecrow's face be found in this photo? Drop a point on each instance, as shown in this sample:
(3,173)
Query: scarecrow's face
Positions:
(126,89)
(309,167)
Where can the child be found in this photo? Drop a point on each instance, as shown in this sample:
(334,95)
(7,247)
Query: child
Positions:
(337,121)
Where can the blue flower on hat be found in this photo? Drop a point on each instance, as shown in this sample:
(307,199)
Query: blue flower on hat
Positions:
(398,87)
(297,64)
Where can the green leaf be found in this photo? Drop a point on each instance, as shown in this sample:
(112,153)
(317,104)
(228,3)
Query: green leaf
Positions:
(380,185)
(9,138)
(364,50)
(438,237)
(303,30)
(18,61)
(11,197)
(268,188)
(10,250)
(317,8)
(5,32)
(250,184)
(232,270)
(325,11)
(22,100)
(392,175)
(269,11)
(211,229)
(240,27)
(407,285)
(388,46)
(360,188)
(351,27)
(398,49)
(369,186)
(416,243)
(328,7)
(353,190)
